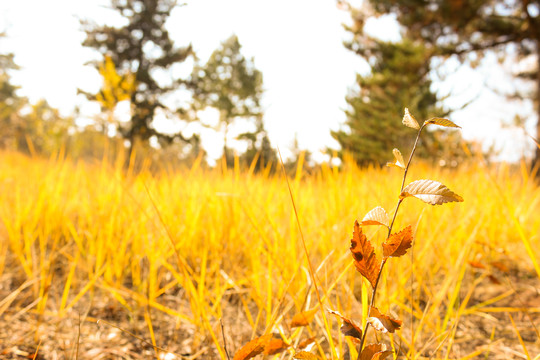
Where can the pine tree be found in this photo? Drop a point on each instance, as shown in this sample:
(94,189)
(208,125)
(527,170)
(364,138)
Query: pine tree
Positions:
(451,27)
(10,103)
(231,84)
(143,48)
(398,79)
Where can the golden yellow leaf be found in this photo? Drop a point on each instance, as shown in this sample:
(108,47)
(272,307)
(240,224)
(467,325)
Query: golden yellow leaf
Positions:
(399,162)
(398,243)
(377,216)
(410,121)
(303,318)
(441,122)
(383,323)
(365,259)
(430,191)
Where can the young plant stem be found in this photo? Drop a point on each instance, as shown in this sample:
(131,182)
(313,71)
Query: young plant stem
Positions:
(374,290)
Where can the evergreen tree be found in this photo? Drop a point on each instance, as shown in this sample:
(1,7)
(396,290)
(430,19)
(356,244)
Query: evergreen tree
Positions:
(10,103)
(143,48)
(452,27)
(231,84)
(398,79)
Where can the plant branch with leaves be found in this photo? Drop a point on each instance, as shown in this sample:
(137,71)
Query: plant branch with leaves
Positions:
(366,260)
(368,263)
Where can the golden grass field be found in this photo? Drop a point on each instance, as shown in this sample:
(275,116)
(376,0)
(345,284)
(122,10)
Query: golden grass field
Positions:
(101,263)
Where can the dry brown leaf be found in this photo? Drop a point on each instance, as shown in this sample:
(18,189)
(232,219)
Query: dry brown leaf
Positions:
(374,352)
(377,216)
(348,327)
(477,265)
(398,243)
(430,191)
(494,279)
(303,318)
(381,322)
(304,343)
(500,266)
(410,121)
(275,346)
(304,355)
(398,160)
(253,348)
(441,122)
(365,259)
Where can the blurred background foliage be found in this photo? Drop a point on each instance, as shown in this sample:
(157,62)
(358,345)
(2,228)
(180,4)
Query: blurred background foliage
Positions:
(139,59)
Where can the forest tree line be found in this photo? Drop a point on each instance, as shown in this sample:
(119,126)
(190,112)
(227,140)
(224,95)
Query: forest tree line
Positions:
(137,62)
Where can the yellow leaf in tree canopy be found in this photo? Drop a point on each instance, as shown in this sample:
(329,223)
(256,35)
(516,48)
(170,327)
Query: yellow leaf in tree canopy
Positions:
(431,192)
(442,122)
(365,260)
(410,121)
(377,216)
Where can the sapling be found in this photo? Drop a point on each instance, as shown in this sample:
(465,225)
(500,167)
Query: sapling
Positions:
(367,262)
(371,265)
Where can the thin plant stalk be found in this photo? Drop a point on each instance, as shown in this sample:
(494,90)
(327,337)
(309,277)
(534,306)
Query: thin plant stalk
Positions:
(374,290)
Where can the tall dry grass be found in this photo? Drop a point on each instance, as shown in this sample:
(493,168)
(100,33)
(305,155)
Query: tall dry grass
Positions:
(217,238)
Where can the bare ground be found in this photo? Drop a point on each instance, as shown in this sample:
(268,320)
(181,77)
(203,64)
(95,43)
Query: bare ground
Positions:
(99,328)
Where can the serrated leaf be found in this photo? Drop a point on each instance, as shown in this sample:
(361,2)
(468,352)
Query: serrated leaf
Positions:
(410,121)
(381,322)
(377,216)
(374,352)
(348,327)
(430,191)
(304,355)
(253,348)
(398,160)
(441,122)
(365,259)
(398,243)
(303,318)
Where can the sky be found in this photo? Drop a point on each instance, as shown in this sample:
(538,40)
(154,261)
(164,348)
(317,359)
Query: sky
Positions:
(297,45)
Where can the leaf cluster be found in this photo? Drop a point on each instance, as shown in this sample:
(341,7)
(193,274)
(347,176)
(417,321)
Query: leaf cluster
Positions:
(370,262)
(366,260)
